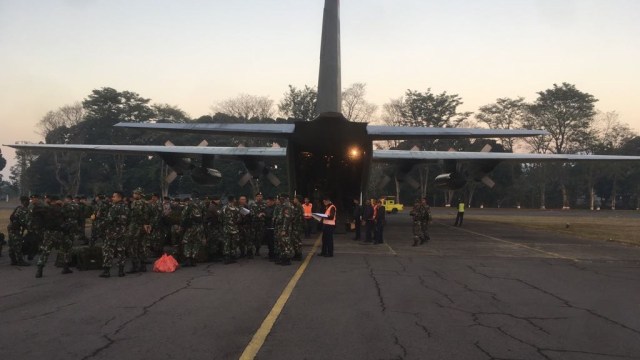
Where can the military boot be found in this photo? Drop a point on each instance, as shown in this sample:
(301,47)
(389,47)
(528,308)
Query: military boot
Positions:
(14,259)
(285,261)
(39,271)
(186,263)
(66,269)
(134,267)
(121,271)
(106,272)
(415,242)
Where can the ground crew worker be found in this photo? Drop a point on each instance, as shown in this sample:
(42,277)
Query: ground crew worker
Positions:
(307,208)
(16,228)
(380,222)
(368,214)
(357,218)
(328,227)
(460,215)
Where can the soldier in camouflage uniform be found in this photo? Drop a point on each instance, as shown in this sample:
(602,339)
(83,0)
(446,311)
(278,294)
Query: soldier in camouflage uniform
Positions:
(231,218)
(213,228)
(157,236)
(54,225)
(72,212)
(99,217)
(245,243)
(192,226)
(284,231)
(258,222)
(269,230)
(139,228)
(16,229)
(426,219)
(116,230)
(297,217)
(277,211)
(35,225)
(417,214)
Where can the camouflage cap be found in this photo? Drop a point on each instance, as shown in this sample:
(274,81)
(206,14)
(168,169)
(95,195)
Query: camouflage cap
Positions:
(138,190)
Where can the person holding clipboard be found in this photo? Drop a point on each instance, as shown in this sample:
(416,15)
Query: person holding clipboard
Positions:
(328,226)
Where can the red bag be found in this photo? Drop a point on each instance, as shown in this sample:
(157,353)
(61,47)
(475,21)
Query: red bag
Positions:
(165,264)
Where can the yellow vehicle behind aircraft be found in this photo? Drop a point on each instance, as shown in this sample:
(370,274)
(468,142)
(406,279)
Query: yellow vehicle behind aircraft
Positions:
(390,205)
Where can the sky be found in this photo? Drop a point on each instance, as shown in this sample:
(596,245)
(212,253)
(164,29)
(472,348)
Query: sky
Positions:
(195,53)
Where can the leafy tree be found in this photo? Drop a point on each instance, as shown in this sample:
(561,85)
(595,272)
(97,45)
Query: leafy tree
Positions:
(505,113)
(246,106)
(567,114)
(354,106)
(170,113)
(299,104)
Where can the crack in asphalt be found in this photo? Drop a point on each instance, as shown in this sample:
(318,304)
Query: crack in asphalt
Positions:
(145,311)
(377,284)
(49,312)
(424,284)
(487,354)
(397,343)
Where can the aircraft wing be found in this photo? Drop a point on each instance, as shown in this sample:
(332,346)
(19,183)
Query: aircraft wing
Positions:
(389,155)
(252,130)
(159,149)
(404,133)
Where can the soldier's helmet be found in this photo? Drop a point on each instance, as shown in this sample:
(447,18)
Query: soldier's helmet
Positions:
(138,190)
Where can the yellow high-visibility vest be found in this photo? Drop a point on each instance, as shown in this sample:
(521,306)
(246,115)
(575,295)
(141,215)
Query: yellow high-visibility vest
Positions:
(461,207)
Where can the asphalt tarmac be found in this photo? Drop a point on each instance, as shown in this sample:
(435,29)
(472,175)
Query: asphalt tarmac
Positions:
(483,291)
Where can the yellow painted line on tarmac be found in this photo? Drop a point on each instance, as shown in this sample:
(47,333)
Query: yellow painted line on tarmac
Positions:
(391,249)
(260,336)
(556,255)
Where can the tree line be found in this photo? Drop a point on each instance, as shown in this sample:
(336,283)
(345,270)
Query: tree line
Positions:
(568,114)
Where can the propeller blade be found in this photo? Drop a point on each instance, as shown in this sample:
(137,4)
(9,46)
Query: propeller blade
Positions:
(170,177)
(385,180)
(273,179)
(168,143)
(412,182)
(244,179)
(486,148)
(488,181)
(203,143)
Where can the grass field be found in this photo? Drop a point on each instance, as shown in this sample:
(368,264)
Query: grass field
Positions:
(619,226)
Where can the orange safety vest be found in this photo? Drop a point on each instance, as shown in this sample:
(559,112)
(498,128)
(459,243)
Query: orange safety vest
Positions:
(375,212)
(328,213)
(307,210)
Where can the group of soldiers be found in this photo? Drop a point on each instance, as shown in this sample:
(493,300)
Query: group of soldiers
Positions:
(134,228)
(421,214)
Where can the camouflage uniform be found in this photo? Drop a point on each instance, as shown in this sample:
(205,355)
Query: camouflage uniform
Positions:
(115,231)
(158,235)
(137,241)
(213,226)
(245,242)
(16,228)
(258,224)
(54,236)
(297,229)
(192,224)
(100,212)
(420,214)
(426,219)
(277,226)
(72,212)
(284,232)
(231,216)
(35,225)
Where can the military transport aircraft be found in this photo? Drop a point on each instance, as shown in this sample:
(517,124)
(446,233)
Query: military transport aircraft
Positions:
(329,155)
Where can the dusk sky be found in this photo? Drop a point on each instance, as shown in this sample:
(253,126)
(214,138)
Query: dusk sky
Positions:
(192,54)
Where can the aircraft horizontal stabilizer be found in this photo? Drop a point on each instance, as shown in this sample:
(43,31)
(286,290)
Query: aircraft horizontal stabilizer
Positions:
(252,130)
(387,155)
(405,133)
